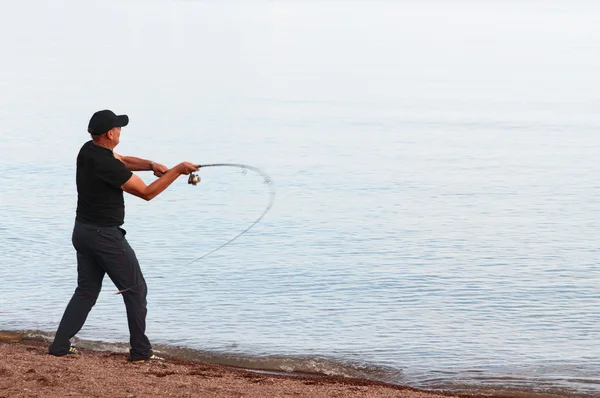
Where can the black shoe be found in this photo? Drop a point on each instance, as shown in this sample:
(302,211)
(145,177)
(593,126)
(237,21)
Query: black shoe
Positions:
(73,352)
(153,358)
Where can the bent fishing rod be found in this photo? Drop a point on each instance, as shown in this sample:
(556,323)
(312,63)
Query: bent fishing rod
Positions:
(194,179)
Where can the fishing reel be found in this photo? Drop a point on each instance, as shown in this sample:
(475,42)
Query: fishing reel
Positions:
(193,179)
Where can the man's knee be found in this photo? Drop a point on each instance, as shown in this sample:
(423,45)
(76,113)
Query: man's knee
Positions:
(88,295)
(140,290)
(137,294)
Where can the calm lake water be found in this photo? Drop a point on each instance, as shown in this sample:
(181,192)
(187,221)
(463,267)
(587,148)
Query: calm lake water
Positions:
(435,163)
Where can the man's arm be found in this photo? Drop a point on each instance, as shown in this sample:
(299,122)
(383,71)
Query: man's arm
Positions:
(135,186)
(138,164)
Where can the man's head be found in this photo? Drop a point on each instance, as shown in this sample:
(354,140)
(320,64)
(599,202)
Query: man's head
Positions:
(105,127)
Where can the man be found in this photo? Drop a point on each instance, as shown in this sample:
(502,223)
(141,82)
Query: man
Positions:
(102,177)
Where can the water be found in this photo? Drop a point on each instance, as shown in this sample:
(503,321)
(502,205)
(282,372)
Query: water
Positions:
(435,163)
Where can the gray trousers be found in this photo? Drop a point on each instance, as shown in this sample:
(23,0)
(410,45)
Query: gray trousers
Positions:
(104,250)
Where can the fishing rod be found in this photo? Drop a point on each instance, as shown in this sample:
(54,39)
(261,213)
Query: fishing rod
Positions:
(194,179)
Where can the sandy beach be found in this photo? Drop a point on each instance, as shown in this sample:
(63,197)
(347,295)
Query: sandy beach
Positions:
(27,370)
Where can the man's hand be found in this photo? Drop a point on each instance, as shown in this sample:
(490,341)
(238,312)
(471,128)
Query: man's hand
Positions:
(186,168)
(135,185)
(159,169)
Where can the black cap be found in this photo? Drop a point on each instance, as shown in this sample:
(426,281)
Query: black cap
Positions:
(102,121)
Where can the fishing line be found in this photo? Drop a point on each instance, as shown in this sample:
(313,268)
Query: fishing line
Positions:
(267,180)
(194,179)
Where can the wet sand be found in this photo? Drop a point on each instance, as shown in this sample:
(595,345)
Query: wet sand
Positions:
(26,370)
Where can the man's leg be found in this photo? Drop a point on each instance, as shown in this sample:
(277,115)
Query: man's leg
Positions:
(89,283)
(121,265)
(136,304)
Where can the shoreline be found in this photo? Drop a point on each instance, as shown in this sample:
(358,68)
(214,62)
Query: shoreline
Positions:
(28,371)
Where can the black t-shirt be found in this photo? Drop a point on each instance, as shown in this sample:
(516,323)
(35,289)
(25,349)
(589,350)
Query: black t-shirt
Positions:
(99,179)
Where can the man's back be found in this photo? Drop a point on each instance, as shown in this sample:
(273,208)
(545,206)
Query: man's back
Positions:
(99,179)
